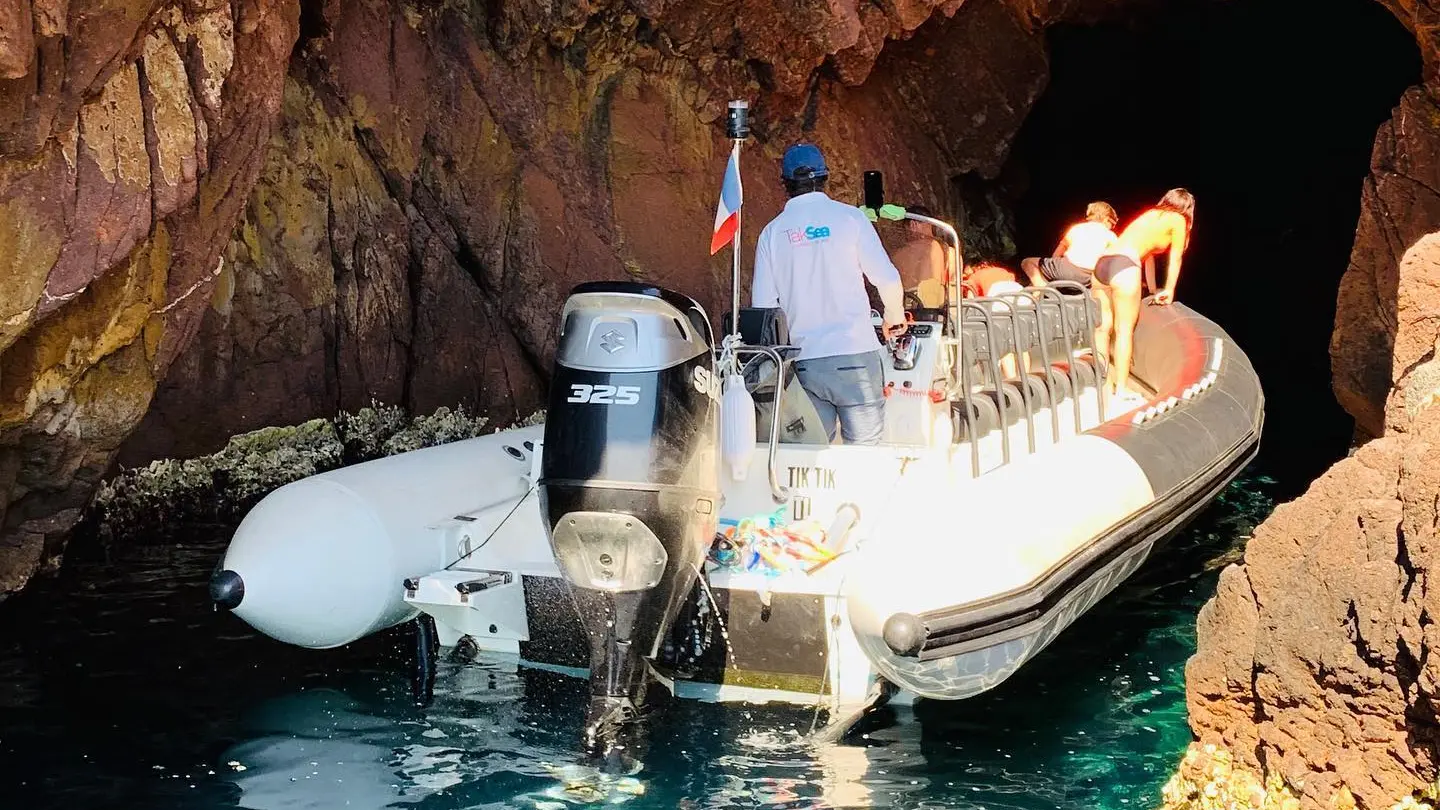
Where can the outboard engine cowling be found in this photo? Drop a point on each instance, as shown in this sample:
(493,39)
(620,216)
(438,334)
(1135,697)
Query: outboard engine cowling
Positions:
(629,478)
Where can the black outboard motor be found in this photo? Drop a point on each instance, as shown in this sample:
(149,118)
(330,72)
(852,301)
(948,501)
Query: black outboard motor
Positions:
(629,480)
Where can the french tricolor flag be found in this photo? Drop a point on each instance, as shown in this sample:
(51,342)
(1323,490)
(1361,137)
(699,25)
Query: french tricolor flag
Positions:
(727,213)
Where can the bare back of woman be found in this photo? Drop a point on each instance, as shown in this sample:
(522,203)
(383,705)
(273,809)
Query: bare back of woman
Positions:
(1117,284)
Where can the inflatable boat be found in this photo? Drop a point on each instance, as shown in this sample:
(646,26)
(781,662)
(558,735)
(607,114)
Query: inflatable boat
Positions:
(681,517)
(632,540)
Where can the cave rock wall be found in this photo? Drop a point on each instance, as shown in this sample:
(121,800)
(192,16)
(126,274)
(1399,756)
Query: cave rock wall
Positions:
(130,135)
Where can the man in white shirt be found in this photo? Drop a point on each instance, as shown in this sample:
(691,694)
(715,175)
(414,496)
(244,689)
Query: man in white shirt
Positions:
(811,261)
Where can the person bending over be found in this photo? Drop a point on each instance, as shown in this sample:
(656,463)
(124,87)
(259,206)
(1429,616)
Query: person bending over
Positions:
(988,279)
(812,261)
(1164,228)
(1082,245)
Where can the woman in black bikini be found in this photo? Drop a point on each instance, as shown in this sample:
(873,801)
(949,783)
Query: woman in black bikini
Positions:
(1117,283)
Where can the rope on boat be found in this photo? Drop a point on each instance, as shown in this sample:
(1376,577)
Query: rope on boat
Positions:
(497,528)
(728,363)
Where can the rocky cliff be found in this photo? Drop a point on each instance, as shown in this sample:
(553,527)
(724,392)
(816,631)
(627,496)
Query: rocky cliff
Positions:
(1315,657)
(131,134)
(1315,682)
(223,214)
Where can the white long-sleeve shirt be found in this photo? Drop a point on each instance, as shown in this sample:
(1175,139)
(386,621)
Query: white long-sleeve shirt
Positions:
(810,261)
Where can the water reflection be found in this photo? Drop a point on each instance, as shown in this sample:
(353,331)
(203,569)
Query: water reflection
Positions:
(120,688)
(499,737)
(1078,733)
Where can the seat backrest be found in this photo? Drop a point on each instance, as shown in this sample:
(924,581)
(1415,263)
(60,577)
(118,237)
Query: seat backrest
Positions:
(761,326)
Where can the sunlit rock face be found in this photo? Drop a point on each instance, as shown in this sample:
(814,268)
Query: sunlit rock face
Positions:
(1386,311)
(130,136)
(1316,662)
(1387,308)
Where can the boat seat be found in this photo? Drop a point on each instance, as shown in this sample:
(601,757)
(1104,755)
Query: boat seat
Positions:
(1055,388)
(1060,326)
(1040,393)
(761,326)
(799,421)
(977,342)
(1014,322)
(1014,410)
(1047,329)
(1061,333)
(1057,381)
(981,420)
(1086,372)
(986,416)
(1071,323)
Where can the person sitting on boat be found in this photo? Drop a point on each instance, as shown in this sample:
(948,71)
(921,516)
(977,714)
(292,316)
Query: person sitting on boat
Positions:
(812,261)
(1164,228)
(922,259)
(1082,245)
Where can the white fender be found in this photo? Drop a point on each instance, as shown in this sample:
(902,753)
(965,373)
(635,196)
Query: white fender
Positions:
(737,428)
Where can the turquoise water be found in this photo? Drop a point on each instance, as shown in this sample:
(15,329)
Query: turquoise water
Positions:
(120,688)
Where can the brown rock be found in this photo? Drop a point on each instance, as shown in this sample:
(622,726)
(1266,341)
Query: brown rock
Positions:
(1414,365)
(51,17)
(1314,660)
(17,38)
(123,164)
(1398,207)
(986,47)
(111,207)
(1422,17)
(32,227)
(170,137)
(853,64)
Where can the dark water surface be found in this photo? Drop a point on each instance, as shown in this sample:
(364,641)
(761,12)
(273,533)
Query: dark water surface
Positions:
(120,688)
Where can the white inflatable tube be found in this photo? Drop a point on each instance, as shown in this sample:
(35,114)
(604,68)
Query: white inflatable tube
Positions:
(323,559)
(1004,532)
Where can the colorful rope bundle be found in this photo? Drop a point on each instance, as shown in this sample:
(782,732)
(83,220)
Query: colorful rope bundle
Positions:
(767,545)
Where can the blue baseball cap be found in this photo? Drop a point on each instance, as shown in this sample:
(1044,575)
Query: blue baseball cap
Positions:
(803,156)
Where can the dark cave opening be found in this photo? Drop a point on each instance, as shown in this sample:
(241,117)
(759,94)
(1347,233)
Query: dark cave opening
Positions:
(1267,111)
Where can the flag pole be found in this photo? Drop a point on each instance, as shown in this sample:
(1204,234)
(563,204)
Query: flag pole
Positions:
(735,269)
(737,128)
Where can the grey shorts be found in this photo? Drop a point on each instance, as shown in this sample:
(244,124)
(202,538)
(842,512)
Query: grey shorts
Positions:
(1062,269)
(850,388)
